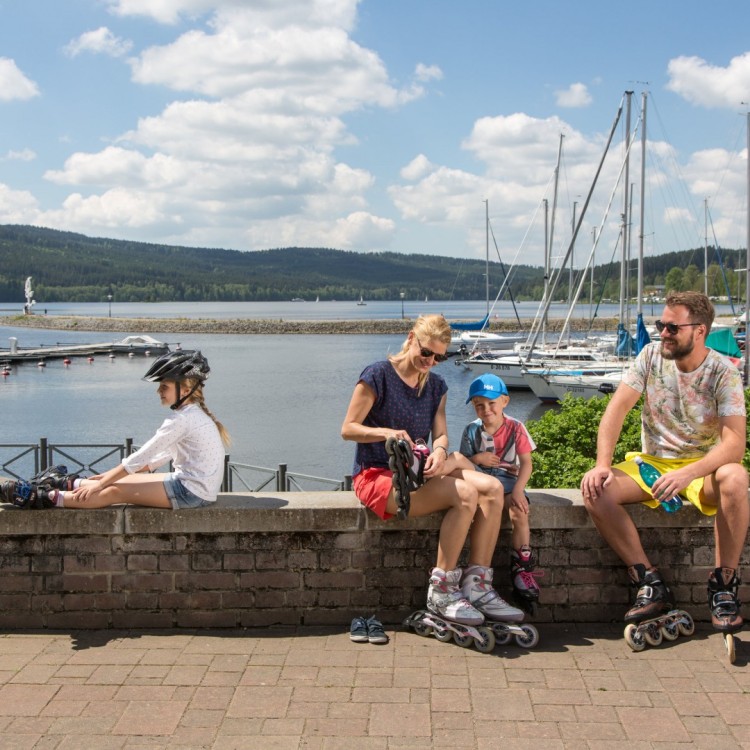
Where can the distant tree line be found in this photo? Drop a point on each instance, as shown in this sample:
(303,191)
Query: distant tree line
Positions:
(69,267)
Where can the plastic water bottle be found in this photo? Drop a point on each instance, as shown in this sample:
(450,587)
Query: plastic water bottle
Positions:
(649,474)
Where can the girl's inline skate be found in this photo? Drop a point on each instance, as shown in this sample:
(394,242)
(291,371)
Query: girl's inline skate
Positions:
(723,585)
(501,617)
(449,616)
(523,575)
(652,616)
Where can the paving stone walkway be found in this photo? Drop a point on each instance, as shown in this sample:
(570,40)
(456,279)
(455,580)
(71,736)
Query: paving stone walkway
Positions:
(580,688)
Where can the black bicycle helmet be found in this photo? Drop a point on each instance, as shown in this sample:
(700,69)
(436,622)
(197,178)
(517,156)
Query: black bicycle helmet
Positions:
(178,366)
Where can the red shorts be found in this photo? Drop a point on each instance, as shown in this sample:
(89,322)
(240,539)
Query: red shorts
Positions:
(372,488)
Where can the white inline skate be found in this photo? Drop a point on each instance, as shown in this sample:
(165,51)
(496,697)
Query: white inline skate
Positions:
(449,616)
(653,616)
(504,619)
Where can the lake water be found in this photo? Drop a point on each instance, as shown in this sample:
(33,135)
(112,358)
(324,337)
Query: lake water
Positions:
(282,398)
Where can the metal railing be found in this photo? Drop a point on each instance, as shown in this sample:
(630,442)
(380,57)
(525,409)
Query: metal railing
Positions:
(24,460)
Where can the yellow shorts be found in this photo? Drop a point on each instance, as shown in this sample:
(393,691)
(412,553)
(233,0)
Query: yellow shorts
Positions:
(692,493)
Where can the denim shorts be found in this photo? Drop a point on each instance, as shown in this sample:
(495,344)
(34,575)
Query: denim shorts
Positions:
(180,496)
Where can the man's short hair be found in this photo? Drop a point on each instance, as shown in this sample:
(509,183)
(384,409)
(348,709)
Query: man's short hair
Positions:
(699,306)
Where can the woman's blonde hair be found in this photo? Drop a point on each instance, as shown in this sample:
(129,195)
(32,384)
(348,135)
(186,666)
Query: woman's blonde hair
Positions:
(426,328)
(196,397)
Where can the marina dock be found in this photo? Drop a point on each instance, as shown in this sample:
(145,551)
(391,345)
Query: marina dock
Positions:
(130,345)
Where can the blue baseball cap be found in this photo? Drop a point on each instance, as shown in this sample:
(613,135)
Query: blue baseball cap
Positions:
(487,386)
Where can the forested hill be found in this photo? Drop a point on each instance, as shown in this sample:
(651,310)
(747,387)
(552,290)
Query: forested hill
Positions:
(73,267)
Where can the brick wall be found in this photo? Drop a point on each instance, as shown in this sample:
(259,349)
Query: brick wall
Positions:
(304,558)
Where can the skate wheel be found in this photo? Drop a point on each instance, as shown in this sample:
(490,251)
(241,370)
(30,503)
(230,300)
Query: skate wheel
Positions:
(487,644)
(503,638)
(530,637)
(464,641)
(729,643)
(443,635)
(421,629)
(633,638)
(671,630)
(686,624)
(653,635)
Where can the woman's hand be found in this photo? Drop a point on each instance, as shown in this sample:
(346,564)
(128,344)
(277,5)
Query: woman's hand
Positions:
(88,490)
(433,466)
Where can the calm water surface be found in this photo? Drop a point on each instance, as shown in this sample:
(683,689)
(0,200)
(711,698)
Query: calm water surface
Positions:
(282,398)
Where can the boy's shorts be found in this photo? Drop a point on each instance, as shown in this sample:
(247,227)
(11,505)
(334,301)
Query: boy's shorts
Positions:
(373,487)
(692,493)
(507,479)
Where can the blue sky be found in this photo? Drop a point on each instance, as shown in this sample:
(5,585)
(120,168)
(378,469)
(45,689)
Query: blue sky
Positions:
(371,125)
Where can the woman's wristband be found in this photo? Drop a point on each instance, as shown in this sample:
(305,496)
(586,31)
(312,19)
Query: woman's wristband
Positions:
(443,448)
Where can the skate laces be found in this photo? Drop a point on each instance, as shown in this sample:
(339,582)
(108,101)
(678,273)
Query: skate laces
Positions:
(528,578)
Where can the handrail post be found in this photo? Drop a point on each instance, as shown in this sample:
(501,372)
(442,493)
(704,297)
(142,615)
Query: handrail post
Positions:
(43,448)
(281,480)
(348,482)
(226,482)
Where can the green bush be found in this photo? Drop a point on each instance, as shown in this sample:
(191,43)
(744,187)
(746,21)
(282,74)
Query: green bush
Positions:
(566,440)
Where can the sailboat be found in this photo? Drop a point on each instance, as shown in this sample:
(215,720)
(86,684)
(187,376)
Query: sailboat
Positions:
(467,337)
(361,301)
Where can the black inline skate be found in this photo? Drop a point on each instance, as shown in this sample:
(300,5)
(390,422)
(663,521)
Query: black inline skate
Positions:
(25,495)
(407,466)
(55,478)
(652,616)
(523,575)
(723,600)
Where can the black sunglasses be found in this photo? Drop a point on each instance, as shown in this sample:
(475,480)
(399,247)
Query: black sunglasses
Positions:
(673,328)
(429,353)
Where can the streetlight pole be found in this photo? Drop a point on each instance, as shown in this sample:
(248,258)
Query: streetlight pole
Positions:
(109,299)
(403,294)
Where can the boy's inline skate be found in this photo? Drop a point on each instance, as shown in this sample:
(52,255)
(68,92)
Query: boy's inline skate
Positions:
(407,466)
(652,616)
(501,617)
(523,575)
(723,585)
(449,616)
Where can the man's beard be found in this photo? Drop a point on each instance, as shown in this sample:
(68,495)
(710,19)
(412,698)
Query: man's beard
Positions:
(677,351)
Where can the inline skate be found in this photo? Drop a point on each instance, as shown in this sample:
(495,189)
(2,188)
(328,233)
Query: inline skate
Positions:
(523,575)
(723,585)
(503,619)
(25,495)
(449,616)
(653,616)
(407,466)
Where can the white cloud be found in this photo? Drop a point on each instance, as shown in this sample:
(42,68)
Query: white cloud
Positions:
(102,41)
(13,83)
(576,95)
(17,206)
(417,168)
(25,154)
(428,72)
(710,85)
(263,12)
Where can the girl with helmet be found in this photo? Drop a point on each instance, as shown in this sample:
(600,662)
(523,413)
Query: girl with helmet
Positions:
(191,438)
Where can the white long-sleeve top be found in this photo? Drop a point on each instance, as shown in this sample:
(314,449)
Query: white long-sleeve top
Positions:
(191,440)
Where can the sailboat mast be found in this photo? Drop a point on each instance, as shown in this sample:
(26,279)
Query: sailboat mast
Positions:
(487,254)
(747,260)
(626,183)
(639,307)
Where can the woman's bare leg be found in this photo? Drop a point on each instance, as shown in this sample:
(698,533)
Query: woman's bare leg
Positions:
(460,499)
(135,489)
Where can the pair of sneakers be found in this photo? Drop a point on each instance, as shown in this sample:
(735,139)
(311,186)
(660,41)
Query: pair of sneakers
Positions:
(407,465)
(367,630)
(468,597)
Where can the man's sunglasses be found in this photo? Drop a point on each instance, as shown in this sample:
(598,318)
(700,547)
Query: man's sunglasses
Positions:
(673,328)
(426,353)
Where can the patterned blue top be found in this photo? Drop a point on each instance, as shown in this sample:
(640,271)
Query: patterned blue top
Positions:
(398,407)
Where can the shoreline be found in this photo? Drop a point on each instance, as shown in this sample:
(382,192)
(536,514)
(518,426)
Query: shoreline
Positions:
(265,327)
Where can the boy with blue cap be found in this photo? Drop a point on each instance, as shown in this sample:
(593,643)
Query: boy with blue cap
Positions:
(501,446)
